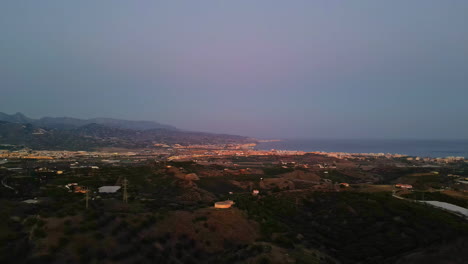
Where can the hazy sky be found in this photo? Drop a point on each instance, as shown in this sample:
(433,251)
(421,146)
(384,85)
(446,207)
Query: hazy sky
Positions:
(263,68)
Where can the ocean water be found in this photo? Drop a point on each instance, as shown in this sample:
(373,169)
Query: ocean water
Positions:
(421,148)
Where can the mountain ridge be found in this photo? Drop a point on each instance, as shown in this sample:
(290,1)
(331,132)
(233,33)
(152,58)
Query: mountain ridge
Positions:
(77,134)
(72,122)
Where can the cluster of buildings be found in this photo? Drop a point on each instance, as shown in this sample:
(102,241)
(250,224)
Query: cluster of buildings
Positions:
(217,146)
(204,152)
(345,155)
(198,152)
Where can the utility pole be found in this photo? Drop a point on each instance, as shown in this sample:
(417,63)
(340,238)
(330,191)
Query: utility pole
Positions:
(125,194)
(87,197)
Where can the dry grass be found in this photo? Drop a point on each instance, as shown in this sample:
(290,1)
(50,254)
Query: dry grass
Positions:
(219,225)
(456,194)
(370,188)
(420,174)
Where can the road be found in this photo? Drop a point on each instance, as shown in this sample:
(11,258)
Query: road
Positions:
(448,207)
(6,185)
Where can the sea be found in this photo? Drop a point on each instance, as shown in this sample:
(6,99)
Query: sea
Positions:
(410,147)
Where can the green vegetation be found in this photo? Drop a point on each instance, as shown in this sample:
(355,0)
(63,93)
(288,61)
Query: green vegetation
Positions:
(268,211)
(336,176)
(353,227)
(273,171)
(218,185)
(13,233)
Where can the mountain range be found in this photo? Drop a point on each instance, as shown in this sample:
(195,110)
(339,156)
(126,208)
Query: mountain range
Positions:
(70,123)
(66,133)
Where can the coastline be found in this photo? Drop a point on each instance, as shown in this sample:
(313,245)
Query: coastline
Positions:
(403,147)
(269,140)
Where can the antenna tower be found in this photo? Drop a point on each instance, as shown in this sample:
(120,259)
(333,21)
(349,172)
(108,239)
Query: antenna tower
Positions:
(125,193)
(87,197)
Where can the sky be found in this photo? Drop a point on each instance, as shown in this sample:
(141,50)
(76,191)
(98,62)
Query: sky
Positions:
(263,68)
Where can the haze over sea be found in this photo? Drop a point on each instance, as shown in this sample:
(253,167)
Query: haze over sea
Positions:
(411,147)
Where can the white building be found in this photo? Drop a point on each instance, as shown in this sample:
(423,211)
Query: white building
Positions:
(109,189)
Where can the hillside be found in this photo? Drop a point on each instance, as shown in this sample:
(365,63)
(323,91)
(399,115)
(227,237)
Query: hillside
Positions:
(77,134)
(70,122)
(170,218)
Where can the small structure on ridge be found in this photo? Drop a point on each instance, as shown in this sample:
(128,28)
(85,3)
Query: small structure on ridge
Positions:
(224,204)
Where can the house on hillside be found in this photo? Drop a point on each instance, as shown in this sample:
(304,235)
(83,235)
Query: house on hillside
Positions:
(403,186)
(224,204)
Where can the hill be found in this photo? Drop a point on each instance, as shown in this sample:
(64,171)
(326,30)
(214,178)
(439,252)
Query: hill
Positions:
(70,122)
(15,118)
(66,133)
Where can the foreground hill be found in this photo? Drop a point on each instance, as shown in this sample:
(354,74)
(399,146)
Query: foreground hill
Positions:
(169,218)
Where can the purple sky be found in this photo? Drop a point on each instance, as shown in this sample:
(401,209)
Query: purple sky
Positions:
(265,68)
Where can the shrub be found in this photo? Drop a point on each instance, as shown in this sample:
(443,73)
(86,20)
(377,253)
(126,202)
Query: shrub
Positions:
(199,218)
(98,236)
(39,233)
(263,260)
(64,241)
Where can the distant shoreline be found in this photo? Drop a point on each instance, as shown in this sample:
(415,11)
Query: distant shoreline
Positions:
(268,140)
(411,148)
